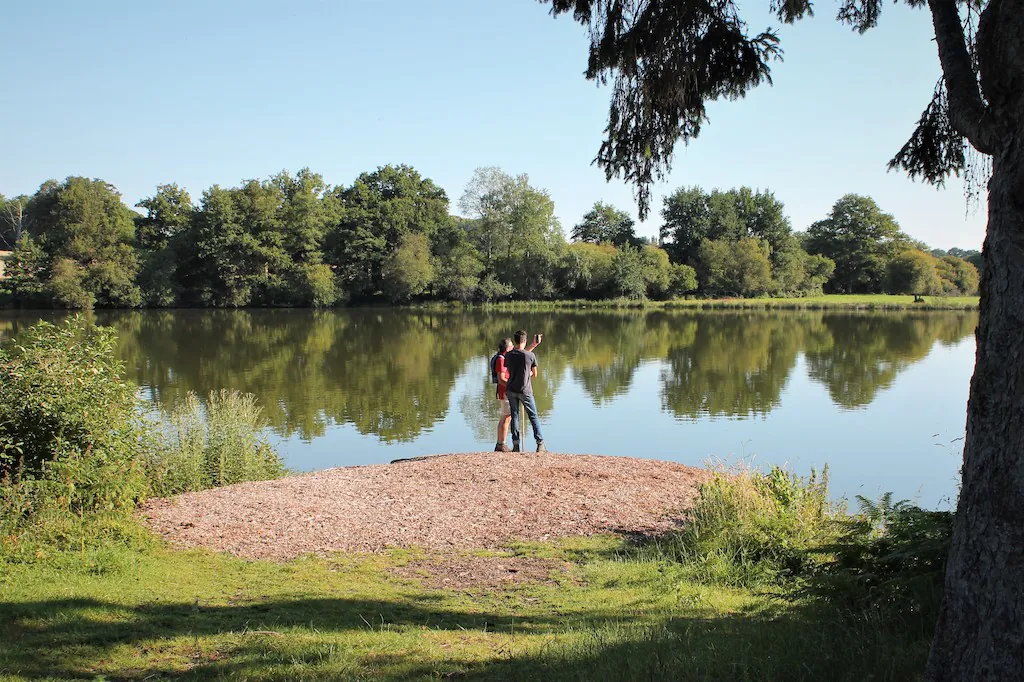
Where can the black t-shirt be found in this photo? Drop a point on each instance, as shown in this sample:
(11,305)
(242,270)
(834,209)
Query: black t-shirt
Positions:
(518,364)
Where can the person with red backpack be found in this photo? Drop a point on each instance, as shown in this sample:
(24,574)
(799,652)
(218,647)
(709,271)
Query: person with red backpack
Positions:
(499,376)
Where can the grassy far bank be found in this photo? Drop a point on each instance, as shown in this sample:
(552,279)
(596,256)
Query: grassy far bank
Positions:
(824,302)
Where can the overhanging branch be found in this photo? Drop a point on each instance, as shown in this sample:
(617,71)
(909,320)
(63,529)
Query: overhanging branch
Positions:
(967,110)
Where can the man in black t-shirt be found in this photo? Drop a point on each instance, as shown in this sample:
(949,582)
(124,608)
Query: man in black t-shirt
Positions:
(521,366)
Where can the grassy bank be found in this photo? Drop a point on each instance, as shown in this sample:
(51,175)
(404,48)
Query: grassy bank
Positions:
(827,302)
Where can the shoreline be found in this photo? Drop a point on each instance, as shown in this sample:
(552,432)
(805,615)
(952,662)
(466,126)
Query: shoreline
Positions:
(842,302)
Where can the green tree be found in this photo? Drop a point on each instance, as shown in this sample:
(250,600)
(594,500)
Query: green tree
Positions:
(515,228)
(965,275)
(913,272)
(687,222)
(683,279)
(456,263)
(25,274)
(657,271)
(375,214)
(628,276)
(159,235)
(587,270)
(605,223)
(734,268)
(861,240)
(86,233)
(225,262)
(667,58)
(407,270)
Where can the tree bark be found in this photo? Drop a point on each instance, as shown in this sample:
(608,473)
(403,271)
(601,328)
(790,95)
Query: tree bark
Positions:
(980,633)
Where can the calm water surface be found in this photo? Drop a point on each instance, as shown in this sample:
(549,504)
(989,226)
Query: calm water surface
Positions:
(879,397)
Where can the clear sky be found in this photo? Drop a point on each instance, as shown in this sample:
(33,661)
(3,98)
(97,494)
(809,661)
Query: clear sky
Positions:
(200,92)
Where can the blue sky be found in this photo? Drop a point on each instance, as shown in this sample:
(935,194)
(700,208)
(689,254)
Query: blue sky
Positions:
(143,93)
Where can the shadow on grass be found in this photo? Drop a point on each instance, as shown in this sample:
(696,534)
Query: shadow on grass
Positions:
(297,639)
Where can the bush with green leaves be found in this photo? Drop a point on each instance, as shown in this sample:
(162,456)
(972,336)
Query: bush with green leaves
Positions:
(751,528)
(68,419)
(890,555)
(70,440)
(201,447)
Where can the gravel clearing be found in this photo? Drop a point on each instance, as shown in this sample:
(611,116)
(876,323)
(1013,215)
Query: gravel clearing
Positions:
(450,502)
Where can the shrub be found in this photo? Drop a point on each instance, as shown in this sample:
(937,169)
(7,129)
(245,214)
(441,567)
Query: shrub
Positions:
(752,528)
(70,439)
(67,417)
(199,448)
(890,556)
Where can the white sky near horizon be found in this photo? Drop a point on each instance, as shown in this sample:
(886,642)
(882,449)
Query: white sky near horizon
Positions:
(199,93)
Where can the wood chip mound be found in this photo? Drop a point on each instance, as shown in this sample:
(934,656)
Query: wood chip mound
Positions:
(460,501)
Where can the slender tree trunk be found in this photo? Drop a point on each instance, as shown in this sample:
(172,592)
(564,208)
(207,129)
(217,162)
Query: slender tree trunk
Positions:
(980,633)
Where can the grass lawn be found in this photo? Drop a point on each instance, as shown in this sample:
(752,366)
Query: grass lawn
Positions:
(826,302)
(604,613)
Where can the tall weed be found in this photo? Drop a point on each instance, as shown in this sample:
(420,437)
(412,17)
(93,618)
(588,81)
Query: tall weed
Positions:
(199,447)
(749,528)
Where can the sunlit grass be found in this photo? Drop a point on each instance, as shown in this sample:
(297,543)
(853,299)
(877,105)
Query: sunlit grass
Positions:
(153,614)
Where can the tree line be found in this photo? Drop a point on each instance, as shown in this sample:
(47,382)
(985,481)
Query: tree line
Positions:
(390,236)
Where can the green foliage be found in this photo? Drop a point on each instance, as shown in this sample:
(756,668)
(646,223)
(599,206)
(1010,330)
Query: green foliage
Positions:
(964,275)
(515,230)
(87,234)
(375,215)
(914,272)
(407,271)
(692,215)
(75,456)
(734,268)
(682,279)
(606,224)
(291,240)
(587,270)
(752,529)
(70,436)
(24,274)
(628,278)
(62,395)
(861,240)
(201,447)
(889,556)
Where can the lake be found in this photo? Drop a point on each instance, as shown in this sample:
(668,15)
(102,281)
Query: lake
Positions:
(880,397)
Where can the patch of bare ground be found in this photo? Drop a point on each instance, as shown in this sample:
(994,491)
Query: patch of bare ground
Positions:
(454,502)
(488,572)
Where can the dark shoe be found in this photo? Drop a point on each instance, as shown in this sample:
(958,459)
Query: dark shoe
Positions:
(501,447)
(540,447)
(515,447)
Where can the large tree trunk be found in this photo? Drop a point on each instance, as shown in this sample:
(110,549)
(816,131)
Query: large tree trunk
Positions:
(980,633)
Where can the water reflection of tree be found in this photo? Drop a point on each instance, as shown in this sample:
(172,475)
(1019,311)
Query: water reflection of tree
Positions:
(856,356)
(730,365)
(390,373)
